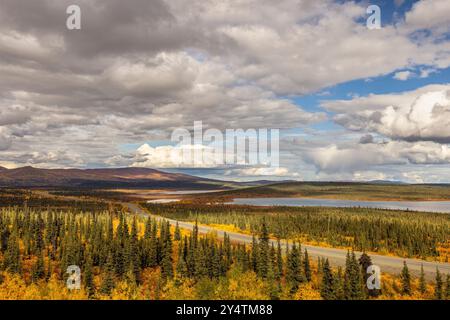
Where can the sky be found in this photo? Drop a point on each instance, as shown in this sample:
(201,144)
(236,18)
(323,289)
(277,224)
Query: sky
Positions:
(351,103)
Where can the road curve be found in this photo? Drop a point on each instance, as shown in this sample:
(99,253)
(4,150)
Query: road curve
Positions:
(337,257)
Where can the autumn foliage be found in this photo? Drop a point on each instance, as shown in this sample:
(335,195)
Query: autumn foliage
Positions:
(131,257)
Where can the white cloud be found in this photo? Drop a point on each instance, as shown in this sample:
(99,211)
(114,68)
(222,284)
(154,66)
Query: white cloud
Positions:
(180,156)
(424,73)
(362,157)
(415,115)
(403,75)
(374,102)
(269,171)
(369,176)
(431,14)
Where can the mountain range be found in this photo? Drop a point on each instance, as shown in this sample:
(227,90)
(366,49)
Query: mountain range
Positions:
(103,178)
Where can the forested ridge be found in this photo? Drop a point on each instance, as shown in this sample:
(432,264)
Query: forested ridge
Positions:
(131,257)
(33,199)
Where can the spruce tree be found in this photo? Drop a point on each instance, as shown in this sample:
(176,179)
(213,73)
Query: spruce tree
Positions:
(438,293)
(422,282)
(263,261)
(294,269)
(365,262)
(216,261)
(177,234)
(339,285)
(406,280)
(195,234)
(148,228)
(254,254)
(447,288)
(38,271)
(134,265)
(38,239)
(108,277)
(446,294)
(200,260)
(182,271)
(227,251)
(279,270)
(153,247)
(307,267)
(327,286)
(11,259)
(352,279)
(167,260)
(88,279)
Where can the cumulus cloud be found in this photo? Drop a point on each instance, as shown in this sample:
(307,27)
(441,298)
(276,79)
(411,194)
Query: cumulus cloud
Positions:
(175,156)
(378,102)
(268,172)
(415,116)
(429,15)
(334,158)
(183,156)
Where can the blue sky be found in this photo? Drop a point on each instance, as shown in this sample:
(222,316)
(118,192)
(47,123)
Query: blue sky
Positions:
(376,85)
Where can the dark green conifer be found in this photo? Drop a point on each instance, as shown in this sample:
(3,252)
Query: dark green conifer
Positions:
(38,271)
(447,288)
(12,259)
(406,280)
(254,254)
(307,267)
(108,277)
(167,260)
(328,285)
(352,278)
(422,282)
(438,292)
(263,260)
(88,277)
(177,234)
(279,270)
(294,269)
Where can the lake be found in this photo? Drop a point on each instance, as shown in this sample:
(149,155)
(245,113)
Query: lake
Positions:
(426,206)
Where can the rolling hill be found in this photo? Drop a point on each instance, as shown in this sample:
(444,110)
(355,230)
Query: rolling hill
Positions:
(344,190)
(102,178)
